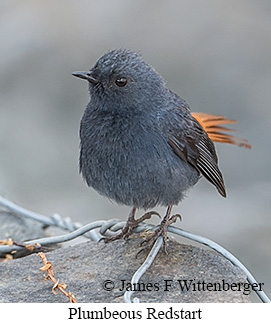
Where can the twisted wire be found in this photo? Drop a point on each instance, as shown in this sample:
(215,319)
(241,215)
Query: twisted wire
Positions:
(98,229)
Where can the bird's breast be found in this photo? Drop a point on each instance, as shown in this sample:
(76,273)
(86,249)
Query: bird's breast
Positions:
(131,162)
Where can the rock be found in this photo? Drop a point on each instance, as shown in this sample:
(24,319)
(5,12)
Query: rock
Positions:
(87,266)
(19,229)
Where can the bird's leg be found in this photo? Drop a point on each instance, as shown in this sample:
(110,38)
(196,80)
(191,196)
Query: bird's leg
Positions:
(130,225)
(162,229)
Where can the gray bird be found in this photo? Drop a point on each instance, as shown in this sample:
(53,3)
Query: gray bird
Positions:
(140,144)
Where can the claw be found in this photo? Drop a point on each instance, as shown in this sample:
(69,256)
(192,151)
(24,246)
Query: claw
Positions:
(130,225)
(174,218)
(142,249)
(116,237)
(162,229)
(146,216)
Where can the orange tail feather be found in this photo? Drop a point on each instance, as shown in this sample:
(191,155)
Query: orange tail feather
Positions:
(212,124)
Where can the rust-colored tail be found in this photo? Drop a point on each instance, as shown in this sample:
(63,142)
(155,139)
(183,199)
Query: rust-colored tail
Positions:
(212,124)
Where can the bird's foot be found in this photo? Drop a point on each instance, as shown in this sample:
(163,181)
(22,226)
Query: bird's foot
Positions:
(161,231)
(130,225)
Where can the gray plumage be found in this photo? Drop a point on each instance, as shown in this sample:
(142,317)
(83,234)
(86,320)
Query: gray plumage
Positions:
(140,145)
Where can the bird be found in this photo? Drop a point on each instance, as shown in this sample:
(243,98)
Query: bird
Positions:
(140,144)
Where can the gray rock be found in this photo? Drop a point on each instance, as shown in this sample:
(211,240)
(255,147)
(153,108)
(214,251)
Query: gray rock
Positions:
(85,268)
(19,229)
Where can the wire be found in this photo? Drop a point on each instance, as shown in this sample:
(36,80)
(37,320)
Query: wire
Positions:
(142,269)
(98,229)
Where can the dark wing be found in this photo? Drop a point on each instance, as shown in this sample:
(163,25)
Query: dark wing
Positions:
(192,144)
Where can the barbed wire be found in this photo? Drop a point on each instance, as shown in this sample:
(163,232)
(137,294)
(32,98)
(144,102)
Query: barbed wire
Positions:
(98,229)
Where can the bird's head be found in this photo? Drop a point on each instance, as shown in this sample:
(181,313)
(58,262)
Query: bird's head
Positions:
(121,79)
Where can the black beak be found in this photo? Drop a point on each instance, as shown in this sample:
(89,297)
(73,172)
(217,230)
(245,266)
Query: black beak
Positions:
(86,76)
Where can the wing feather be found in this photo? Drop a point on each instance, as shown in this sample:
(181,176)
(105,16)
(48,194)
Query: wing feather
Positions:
(193,145)
(212,125)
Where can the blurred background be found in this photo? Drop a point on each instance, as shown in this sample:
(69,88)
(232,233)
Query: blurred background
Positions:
(214,54)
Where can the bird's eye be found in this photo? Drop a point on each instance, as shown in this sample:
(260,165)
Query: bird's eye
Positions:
(121,81)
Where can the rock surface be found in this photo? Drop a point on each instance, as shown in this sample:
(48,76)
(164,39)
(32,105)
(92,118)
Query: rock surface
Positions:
(85,268)
(19,229)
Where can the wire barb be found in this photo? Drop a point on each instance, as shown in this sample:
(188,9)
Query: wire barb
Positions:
(57,286)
